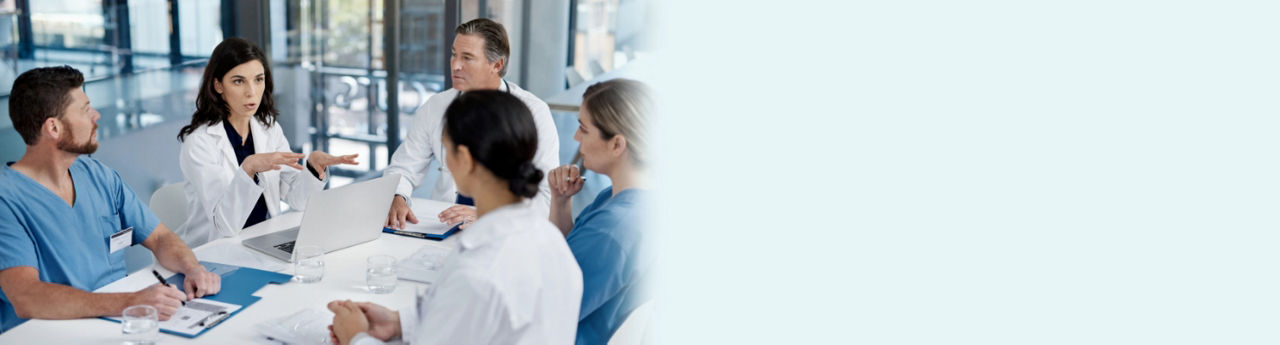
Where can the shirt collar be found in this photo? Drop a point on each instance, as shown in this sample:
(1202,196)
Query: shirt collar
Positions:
(499,223)
(504,86)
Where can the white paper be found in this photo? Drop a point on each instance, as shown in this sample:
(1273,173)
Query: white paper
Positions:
(425,264)
(427,223)
(307,326)
(238,255)
(188,318)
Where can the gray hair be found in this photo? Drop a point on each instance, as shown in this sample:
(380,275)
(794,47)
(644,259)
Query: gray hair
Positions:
(496,45)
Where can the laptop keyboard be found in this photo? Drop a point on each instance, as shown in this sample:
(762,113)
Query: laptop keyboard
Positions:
(287,247)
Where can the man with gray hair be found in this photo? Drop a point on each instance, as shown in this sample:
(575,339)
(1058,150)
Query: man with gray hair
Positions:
(480,56)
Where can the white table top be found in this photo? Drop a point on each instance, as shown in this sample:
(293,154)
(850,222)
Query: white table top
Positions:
(344,278)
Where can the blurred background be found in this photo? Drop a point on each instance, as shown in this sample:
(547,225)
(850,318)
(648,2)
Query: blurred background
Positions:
(331,62)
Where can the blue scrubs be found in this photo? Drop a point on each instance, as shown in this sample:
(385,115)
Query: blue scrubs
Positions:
(67,244)
(607,240)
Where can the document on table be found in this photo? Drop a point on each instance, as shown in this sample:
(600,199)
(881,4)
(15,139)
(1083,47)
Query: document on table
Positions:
(424,265)
(194,317)
(426,228)
(427,222)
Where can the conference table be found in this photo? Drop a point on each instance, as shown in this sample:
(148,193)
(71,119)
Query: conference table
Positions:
(344,278)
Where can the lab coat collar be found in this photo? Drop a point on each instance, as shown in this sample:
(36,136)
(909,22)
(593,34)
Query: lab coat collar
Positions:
(499,223)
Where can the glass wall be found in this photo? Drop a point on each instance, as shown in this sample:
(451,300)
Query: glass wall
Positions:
(73,24)
(199,28)
(143,59)
(608,34)
(342,45)
(73,33)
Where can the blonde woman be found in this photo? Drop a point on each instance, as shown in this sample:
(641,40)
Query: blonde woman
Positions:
(606,238)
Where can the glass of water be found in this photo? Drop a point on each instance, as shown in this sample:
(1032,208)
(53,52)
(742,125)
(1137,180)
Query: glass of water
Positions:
(381,274)
(308,263)
(140,325)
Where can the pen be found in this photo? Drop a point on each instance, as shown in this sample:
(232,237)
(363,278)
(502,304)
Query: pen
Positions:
(409,233)
(216,318)
(166,284)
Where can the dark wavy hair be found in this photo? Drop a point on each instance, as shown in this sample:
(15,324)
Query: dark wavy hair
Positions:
(210,107)
(499,131)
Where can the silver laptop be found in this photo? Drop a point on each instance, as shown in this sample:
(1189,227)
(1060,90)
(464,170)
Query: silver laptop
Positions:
(334,219)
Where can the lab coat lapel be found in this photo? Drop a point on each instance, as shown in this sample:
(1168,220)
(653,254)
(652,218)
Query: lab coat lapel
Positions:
(217,131)
(267,179)
(260,137)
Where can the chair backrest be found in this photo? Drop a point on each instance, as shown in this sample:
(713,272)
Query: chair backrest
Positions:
(573,77)
(595,67)
(636,328)
(169,203)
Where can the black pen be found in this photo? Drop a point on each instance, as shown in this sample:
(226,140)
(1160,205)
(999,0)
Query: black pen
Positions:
(166,284)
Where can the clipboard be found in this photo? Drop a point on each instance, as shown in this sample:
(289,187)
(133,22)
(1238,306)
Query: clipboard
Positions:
(238,286)
(426,233)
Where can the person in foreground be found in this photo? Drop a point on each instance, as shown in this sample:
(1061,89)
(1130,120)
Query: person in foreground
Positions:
(65,218)
(511,279)
(235,157)
(606,239)
(480,57)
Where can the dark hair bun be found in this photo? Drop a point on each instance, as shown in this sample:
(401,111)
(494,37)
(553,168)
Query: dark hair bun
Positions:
(498,129)
(527,180)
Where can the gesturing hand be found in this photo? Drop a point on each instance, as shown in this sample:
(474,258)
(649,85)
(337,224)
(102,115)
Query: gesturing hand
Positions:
(320,160)
(270,161)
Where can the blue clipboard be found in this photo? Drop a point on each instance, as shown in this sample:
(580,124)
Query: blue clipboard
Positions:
(423,235)
(238,286)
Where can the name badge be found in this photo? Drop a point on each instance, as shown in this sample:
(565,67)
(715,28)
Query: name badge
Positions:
(121,239)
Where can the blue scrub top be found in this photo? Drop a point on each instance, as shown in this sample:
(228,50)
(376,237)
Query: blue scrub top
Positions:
(68,245)
(607,240)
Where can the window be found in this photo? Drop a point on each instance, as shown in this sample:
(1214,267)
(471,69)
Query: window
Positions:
(607,34)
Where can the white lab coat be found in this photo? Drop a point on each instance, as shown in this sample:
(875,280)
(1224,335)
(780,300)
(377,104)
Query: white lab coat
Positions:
(512,280)
(423,143)
(220,195)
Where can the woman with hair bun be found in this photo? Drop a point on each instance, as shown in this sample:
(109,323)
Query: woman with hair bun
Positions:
(512,279)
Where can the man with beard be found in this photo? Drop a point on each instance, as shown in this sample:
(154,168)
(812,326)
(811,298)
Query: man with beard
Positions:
(65,219)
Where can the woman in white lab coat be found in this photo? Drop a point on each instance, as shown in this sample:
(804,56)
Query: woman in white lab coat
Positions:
(511,279)
(235,158)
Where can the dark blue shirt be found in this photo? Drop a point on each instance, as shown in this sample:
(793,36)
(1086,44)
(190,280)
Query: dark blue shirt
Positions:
(243,151)
(607,240)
